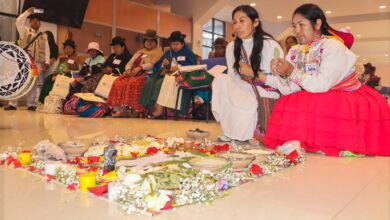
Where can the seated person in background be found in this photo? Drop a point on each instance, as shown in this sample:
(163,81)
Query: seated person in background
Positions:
(64,65)
(219,48)
(370,79)
(115,65)
(96,57)
(91,67)
(126,90)
(178,54)
(116,62)
(289,42)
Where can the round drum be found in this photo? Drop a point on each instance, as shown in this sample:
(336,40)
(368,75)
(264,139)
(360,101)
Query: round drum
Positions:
(18,72)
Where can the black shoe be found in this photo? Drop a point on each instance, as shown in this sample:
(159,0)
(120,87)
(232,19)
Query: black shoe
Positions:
(9,108)
(156,117)
(32,108)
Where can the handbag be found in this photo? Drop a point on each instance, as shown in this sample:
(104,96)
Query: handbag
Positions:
(104,87)
(61,86)
(194,76)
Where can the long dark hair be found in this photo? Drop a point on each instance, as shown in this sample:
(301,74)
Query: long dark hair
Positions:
(312,12)
(258,36)
(52,44)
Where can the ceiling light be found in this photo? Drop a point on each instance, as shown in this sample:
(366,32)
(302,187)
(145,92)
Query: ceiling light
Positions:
(279,17)
(348,27)
(386,55)
(358,35)
(382,6)
(364,59)
(328,12)
(252,4)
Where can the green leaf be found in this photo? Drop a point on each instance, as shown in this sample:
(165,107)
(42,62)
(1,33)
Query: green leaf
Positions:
(276,52)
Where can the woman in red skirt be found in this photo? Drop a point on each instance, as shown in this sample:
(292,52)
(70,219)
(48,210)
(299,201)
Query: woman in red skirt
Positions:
(126,90)
(325,106)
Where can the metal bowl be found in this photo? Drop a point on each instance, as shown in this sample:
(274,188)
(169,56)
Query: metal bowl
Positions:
(73,148)
(238,160)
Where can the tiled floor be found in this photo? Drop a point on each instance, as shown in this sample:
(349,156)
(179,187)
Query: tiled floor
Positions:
(322,188)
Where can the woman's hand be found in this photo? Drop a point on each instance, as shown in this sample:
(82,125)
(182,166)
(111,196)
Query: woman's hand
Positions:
(136,70)
(246,70)
(31,10)
(262,77)
(52,61)
(274,63)
(107,70)
(174,69)
(127,72)
(165,62)
(80,79)
(283,67)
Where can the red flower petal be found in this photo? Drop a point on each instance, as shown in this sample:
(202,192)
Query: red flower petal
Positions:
(293,156)
(134,154)
(98,190)
(72,186)
(256,170)
(17,164)
(214,151)
(93,159)
(10,160)
(78,160)
(32,169)
(220,148)
(151,150)
(168,205)
(93,169)
(50,177)
(201,150)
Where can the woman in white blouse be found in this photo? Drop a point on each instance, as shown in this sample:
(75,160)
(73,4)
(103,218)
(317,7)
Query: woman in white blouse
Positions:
(326,108)
(235,101)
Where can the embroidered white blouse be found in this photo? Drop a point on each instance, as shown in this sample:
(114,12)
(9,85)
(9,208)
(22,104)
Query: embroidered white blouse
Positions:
(319,66)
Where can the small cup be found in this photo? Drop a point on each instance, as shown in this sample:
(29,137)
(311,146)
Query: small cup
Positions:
(87,180)
(24,158)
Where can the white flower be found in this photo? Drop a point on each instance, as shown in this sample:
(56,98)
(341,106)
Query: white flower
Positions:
(156,202)
(131,179)
(149,184)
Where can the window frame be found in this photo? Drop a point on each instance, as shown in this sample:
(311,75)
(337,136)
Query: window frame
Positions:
(214,34)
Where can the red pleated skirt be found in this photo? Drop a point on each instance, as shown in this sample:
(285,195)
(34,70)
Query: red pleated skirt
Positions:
(331,122)
(126,91)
